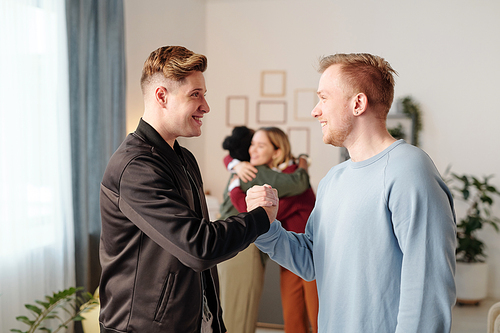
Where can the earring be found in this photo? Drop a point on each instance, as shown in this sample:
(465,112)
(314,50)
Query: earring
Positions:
(357,112)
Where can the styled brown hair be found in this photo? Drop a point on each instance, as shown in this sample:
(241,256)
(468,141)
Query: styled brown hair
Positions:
(279,140)
(364,73)
(174,62)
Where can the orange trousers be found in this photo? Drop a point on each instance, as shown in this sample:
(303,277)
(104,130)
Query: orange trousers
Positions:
(299,299)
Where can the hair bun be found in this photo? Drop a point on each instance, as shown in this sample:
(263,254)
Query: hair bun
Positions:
(238,143)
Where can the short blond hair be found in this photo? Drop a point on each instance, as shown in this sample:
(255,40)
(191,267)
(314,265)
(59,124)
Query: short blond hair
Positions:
(173,62)
(364,73)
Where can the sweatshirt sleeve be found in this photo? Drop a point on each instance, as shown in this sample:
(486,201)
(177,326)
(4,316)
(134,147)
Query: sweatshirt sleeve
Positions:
(294,251)
(423,218)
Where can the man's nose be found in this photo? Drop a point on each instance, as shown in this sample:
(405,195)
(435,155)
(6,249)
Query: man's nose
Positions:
(205,107)
(316,111)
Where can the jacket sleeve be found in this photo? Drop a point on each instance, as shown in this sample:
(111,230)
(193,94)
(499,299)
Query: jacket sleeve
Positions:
(153,201)
(286,184)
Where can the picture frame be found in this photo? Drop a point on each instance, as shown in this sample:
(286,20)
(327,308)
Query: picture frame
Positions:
(305,101)
(236,111)
(300,140)
(273,83)
(271,112)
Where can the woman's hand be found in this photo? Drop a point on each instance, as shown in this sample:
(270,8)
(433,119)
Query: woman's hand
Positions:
(245,171)
(303,161)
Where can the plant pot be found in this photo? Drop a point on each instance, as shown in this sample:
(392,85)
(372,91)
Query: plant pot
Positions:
(472,282)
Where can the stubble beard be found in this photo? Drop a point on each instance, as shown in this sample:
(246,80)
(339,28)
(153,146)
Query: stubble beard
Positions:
(337,137)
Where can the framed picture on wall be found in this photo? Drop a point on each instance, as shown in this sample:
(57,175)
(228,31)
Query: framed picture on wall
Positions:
(299,140)
(236,111)
(273,83)
(271,112)
(305,101)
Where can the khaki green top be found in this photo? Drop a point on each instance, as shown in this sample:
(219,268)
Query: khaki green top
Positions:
(287,184)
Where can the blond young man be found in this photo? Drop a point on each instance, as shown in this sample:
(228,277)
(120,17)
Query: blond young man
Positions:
(380,241)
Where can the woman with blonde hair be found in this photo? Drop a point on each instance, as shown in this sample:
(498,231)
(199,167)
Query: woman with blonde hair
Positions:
(241,278)
(270,153)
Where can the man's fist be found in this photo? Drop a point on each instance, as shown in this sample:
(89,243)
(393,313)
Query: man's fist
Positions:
(265,197)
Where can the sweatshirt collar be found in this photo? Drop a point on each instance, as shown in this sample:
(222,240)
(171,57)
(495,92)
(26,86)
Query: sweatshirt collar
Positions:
(373,159)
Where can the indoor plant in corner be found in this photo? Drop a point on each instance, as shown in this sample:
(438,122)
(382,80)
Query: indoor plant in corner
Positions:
(45,314)
(472,271)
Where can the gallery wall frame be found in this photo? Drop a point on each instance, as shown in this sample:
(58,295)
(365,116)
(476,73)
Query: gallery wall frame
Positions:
(273,83)
(236,111)
(300,140)
(305,101)
(271,112)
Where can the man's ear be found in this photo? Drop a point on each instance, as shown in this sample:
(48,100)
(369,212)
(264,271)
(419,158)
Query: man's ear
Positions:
(360,104)
(161,94)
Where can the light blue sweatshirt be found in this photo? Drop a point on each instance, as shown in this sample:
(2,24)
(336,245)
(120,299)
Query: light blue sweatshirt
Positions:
(380,243)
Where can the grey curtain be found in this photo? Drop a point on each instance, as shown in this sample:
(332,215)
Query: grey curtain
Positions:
(96,54)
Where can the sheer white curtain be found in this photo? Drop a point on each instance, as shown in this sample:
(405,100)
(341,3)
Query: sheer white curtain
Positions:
(36,235)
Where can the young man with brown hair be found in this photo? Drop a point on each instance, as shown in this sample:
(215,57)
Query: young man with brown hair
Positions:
(158,248)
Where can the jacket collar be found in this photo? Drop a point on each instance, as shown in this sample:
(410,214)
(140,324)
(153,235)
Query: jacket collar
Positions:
(149,134)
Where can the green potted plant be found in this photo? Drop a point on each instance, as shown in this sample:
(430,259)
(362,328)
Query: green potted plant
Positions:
(45,315)
(409,109)
(412,109)
(472,269)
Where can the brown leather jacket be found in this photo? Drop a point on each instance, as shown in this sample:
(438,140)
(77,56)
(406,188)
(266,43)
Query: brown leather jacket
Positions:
(158,248)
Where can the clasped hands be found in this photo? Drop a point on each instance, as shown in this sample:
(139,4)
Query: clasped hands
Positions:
(263,196)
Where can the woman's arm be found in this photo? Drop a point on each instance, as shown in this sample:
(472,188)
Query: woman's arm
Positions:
(243,169)
(287,184)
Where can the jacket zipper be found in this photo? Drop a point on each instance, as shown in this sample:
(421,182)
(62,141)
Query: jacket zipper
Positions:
(217,301)
(209,271)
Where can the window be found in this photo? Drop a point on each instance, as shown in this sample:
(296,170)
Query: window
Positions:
(36,240)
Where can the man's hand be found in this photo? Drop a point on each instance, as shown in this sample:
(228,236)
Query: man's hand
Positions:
(245,171)
(265,197)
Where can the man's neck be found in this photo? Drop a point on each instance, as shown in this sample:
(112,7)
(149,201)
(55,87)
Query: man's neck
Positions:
(368,145)
(157,124)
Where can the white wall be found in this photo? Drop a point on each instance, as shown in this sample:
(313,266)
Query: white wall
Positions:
(445,53)
(150,24)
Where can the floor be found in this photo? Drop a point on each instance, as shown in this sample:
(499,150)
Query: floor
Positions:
(466,319)
(470,318)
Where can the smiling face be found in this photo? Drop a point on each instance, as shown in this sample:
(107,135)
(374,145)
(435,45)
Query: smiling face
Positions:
(262,150)
(333,110)
(185,107)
